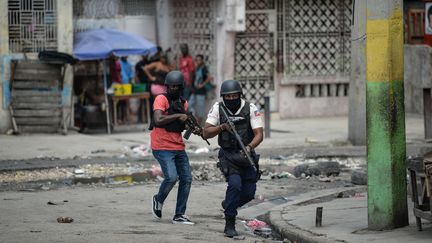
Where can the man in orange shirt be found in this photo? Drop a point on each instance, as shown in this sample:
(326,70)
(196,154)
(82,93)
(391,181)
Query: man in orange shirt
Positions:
(168,147)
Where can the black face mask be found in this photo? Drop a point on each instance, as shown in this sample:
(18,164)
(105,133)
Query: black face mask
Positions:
(233,105)
(174,95)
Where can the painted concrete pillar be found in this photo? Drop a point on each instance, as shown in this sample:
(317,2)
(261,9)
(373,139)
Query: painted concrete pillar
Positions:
(357,88)
(65,44)
(5,122)
(386,146)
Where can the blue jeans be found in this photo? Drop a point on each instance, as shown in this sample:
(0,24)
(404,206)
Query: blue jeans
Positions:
(174,164)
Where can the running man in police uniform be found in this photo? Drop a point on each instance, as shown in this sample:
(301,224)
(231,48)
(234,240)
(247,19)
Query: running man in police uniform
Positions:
(239,174)
(169,149)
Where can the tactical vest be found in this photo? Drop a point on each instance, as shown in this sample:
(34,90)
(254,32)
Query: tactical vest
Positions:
(175,107)
(226,140)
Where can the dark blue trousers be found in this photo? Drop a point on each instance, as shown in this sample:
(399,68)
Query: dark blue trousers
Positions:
(241,186)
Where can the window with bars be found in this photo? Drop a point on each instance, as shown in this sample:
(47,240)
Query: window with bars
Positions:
(32,25)
(110,8)
(139,7)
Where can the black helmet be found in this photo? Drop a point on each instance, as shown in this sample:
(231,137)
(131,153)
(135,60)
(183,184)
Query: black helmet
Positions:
(230,87)
(174,78)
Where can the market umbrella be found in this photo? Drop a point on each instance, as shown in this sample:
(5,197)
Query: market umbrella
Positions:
(102,43)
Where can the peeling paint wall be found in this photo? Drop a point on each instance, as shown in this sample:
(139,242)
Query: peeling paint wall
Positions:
(65,44)
(5,123)
(418,75)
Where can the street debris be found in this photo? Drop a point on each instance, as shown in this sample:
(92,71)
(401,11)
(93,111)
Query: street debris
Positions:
(359,177)
(327,168)
(98,151)
(258,227)
(57,202)
(325,179)
(66,220)
(320,170)
(156,170)
(79,171)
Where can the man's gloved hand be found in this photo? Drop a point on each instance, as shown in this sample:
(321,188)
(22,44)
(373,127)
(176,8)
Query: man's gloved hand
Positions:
(197,130)
(225,127)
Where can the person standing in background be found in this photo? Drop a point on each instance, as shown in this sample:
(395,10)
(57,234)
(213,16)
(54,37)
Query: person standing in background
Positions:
(201,86)
(141,77)
(126,71)
(115,70)
(187,68)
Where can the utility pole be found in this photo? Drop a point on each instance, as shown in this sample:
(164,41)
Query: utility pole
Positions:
(385,115)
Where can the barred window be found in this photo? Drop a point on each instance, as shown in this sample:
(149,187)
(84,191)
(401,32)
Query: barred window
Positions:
(139,7)
(32,25)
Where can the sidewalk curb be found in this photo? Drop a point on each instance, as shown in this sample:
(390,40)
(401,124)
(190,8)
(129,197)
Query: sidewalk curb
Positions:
(295,233)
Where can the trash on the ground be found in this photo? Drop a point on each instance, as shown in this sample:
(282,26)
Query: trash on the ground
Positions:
(45,188)
(98,151)
(285,175)
(310,140)
(156,171)
(325,179)
(140,151)
(258,227)
(160,178)
(266,177)
(279,157)
(260,197)
(56,202)
(78,171)
(239,237)
(66,220)
(201,150)
(12,199)
(118,180)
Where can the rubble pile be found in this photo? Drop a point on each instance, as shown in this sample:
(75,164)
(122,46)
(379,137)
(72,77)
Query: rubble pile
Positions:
(207,172)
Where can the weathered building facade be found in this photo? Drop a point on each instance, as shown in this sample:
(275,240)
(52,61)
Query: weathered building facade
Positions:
(27,27)
(295,51)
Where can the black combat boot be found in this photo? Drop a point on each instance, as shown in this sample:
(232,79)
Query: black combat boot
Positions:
(230,230)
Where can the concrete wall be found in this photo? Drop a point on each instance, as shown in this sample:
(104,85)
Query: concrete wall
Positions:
(291,106)
(418,75)
(165,35)
(65,44)
(357,89)
(5,123)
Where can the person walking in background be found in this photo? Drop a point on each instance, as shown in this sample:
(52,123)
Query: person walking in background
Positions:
(187,68)
(202,84)
(169,149)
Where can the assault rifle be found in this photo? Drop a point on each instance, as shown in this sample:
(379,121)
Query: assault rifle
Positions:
(193,127)
(237,136)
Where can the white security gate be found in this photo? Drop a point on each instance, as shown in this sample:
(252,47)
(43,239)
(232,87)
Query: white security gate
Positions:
(32,25)
(253,50)
(307,41)
(314,37)
(193,24)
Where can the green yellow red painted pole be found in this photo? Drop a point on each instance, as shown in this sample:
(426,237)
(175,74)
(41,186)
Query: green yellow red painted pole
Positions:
(386,146)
